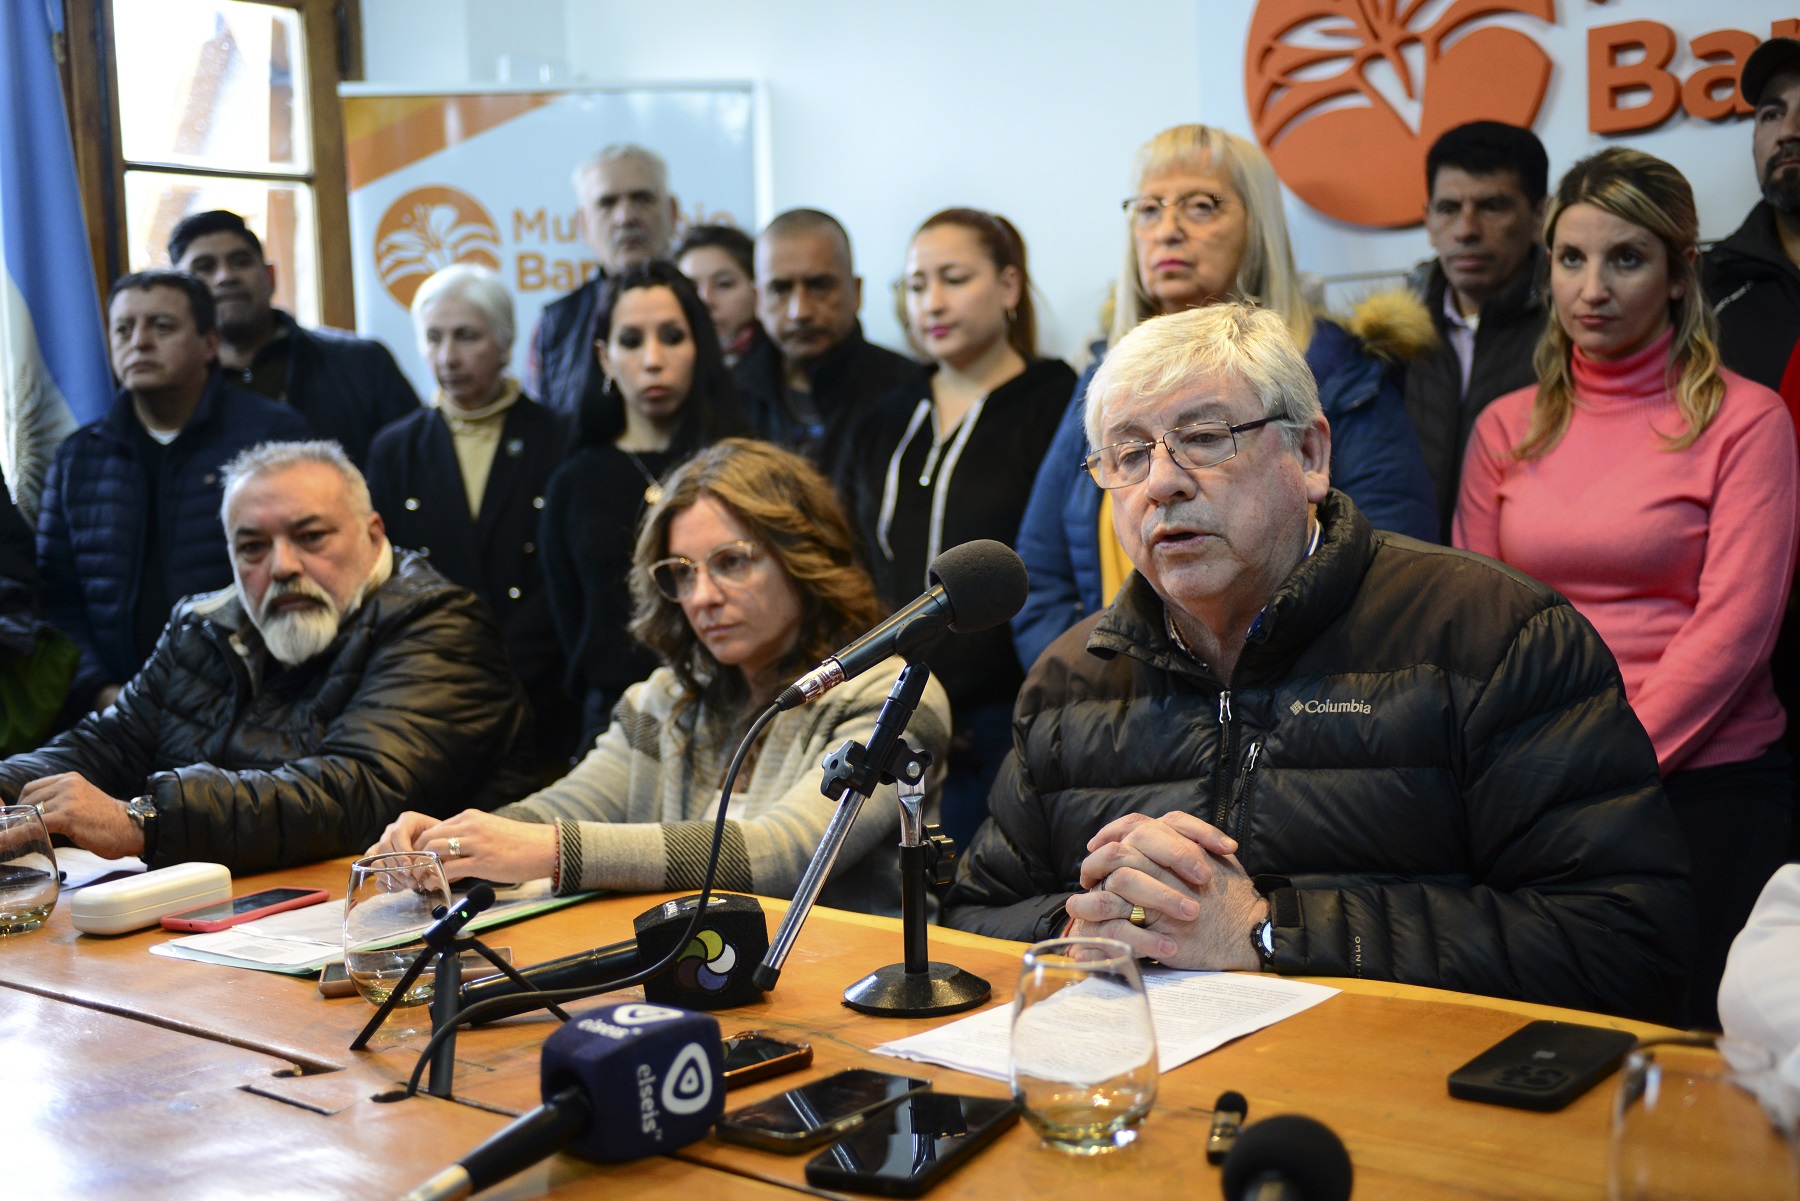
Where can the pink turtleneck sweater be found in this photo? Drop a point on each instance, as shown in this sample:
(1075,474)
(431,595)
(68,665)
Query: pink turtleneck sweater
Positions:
(1681,559)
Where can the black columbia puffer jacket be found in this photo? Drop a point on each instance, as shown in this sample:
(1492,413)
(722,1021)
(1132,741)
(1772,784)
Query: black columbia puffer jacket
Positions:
(1426,758)
(258,766)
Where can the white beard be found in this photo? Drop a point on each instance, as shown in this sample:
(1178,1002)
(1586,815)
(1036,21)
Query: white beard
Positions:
(296,635)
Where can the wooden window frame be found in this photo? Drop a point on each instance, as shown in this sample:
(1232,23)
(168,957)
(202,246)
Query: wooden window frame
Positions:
(89,62)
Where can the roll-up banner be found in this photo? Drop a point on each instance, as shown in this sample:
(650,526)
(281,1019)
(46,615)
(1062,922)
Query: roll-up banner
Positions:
(484,176)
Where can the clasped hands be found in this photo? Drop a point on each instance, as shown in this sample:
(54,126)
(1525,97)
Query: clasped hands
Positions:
(80,812)
(1200,905)
(474,843)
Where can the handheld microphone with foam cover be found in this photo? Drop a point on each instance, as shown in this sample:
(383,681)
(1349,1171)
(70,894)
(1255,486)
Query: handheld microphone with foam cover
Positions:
(713,972)
(974,586)
(619,1083)
(1288,1158)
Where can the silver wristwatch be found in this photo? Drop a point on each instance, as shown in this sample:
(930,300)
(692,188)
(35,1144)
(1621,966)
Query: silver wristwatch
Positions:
(142,810)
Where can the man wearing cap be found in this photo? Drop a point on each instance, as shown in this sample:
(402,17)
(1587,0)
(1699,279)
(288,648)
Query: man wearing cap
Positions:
(1753,280)
(1753,277)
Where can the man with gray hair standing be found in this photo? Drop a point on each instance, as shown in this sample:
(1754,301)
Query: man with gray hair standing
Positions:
(627,217)
(1298,744)
(290,717)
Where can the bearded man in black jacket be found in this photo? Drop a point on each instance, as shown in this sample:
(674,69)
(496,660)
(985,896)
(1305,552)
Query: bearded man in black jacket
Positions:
(1298,744)
(291,717)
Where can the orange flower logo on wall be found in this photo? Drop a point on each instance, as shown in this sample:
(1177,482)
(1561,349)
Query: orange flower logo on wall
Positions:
(425,231)
(1347,96)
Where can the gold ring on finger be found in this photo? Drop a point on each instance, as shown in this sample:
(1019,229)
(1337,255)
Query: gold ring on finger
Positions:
(456,848)
(1140,917)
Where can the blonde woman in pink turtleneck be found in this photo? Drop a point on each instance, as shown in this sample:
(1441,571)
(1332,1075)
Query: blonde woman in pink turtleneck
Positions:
(1658,492)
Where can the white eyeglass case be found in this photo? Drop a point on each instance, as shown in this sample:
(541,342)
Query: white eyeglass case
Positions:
(138,901)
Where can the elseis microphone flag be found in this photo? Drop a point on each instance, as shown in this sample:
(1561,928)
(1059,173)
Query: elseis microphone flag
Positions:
(54,373)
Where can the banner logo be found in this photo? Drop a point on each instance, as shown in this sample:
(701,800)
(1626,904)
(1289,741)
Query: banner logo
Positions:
(428,229)
(1348,96)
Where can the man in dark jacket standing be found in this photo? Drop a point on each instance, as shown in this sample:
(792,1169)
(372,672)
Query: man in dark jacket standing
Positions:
(628,217)
(126,523)
(345,386)
(1298,744)
(1753,277)
(1486,185)
(805,386)
(290,717)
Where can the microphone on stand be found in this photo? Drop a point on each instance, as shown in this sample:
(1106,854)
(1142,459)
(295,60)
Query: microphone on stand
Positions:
(619,1083)
(974,586)
(713,971)
(1288,1158)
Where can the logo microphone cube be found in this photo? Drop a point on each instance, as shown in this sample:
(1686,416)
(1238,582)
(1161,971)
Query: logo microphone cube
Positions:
(653,1074)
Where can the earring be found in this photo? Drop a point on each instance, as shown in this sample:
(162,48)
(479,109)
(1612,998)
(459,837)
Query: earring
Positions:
(1012,315)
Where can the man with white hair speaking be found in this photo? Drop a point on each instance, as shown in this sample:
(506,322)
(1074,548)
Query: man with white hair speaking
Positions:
(1297,744)
(290,717)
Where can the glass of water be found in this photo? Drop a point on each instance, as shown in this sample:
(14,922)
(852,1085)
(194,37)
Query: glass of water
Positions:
(28,877)
(1687,1125)
(1083,1047)
(387,909)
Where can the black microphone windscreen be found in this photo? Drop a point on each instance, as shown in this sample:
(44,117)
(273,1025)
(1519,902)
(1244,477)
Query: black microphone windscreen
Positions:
(983,580)
(1303,1150)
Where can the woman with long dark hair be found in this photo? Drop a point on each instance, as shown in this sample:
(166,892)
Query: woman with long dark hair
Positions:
(668,394)
(951,457)
(745,576)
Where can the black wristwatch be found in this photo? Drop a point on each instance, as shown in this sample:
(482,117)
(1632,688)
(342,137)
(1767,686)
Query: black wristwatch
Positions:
(1262,937)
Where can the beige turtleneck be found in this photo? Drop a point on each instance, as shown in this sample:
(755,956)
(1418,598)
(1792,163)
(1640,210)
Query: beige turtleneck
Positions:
(476,435)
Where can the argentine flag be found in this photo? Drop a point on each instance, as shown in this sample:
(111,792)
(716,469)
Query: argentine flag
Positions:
(54,373)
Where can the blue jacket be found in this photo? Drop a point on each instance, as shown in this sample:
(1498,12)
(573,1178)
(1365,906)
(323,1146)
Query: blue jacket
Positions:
(90,539)
(1375,459)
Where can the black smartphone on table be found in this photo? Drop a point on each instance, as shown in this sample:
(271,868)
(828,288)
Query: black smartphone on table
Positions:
(804,1117)
(751,1055)
(1542,1065)
(905,1149)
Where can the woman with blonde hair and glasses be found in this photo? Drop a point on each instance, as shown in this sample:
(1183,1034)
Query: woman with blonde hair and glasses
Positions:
(1657,491)
(744,576)
(1205,224)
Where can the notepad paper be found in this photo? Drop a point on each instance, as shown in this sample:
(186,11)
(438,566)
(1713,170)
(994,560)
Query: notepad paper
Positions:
(1194,1012)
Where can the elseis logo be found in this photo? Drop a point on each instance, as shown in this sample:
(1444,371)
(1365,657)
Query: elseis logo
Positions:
(1331,87)
(1299,707)
(428,229)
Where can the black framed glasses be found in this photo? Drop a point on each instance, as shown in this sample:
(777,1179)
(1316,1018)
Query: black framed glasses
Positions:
(1203,444)
(729,566)
(1190,208)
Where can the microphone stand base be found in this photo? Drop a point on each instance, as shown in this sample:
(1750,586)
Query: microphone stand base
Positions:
(894,992)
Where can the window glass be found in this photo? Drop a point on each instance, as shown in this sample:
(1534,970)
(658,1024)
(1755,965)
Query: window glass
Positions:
(212,83)
(280,213)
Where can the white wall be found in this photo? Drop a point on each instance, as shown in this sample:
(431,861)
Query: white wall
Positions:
(882,114)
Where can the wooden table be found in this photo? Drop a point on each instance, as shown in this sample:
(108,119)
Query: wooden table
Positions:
(104,1037)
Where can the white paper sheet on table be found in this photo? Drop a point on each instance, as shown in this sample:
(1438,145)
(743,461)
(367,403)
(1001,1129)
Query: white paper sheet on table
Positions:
(300,941)
(81,868)
(1194,1012)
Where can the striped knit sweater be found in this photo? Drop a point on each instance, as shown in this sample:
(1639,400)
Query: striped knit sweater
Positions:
(644,804)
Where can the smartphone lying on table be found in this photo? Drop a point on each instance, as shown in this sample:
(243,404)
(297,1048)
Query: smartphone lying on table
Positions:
(804,1117)
(1542,1065)
(751,1055)
(905,1149)
(219,915)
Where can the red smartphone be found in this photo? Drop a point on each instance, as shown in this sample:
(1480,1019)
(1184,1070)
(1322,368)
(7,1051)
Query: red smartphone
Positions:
(218,915)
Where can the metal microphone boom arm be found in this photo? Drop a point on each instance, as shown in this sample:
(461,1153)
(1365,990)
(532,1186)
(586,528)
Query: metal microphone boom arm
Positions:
(856,771)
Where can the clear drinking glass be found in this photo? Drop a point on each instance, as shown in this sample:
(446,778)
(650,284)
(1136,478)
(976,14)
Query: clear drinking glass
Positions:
(1083,1047)
(28,877)
(1687,1126)
(386,910)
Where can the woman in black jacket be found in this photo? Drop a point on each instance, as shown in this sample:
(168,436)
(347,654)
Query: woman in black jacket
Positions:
(667,395)
(952,456)
(462,482)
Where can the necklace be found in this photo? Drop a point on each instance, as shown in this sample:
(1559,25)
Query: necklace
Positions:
(653,489)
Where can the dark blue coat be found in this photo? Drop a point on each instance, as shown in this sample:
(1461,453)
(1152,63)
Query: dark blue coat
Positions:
(1375,460)
(90,539)
(417,486)
(347,387)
